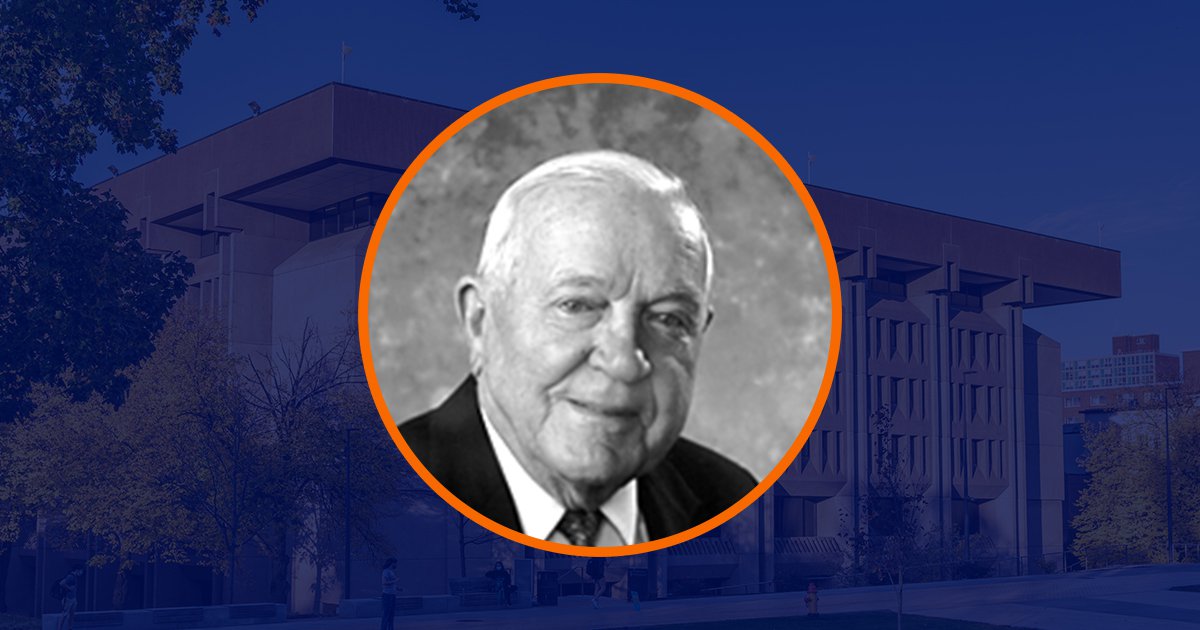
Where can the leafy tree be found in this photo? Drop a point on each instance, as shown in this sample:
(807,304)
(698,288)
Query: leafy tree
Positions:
(84,465)
(464,9)
(895,541)
(79,299)
(219,460)
(180,471)
(212,455)
(1122,511)
(326,430)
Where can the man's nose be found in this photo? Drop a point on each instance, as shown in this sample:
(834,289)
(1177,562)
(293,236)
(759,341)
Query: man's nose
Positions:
(618,352)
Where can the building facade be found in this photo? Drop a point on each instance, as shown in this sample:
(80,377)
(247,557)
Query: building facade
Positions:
(275,213)
(934,333)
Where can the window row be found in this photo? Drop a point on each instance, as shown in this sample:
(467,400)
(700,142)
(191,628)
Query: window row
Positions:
(827,457)
(897,339)
(978,403)
(907,397)
(981,456)
(976,349)
(346,215)
(907,455)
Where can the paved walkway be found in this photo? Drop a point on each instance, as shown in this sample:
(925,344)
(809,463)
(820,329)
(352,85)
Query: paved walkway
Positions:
(1120,598)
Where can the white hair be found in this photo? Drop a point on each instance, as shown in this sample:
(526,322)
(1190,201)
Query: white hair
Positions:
(498,256)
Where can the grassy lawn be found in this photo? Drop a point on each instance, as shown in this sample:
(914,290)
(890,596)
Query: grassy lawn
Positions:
(874,620)
(13,622)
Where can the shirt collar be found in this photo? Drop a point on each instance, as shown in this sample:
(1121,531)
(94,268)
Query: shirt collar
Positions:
(539,512)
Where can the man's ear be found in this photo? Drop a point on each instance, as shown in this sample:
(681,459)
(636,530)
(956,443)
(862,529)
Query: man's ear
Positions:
(472,307)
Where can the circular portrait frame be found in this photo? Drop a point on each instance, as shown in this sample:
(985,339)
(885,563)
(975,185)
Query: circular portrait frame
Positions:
(820,375)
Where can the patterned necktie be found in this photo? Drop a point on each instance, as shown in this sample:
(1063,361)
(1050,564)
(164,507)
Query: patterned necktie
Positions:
(580,527)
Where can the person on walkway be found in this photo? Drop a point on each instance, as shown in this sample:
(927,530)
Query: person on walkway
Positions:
(388,580)
(502,580)
(70,601)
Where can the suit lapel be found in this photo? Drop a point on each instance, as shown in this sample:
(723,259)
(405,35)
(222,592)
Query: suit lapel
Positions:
(465,459)
(666,501)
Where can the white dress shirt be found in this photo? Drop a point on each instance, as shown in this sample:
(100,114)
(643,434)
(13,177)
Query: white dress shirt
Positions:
(539,512)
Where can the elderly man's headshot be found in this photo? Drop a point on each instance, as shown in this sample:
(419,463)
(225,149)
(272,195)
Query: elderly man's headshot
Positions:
(585,320)
(600,314)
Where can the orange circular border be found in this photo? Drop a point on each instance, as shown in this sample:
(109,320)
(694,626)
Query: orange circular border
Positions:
(364,293)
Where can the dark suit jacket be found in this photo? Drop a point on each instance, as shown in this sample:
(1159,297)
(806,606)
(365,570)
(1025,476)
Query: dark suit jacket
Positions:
(690,486)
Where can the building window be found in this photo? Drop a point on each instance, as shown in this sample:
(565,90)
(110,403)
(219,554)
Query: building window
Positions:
(348,214)
(966,302)
(885,289)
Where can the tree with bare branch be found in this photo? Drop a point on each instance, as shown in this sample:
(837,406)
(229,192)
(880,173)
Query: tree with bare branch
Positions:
(895,539)
(340,463)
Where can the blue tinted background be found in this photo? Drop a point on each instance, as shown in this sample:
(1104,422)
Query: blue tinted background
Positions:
(1074,121)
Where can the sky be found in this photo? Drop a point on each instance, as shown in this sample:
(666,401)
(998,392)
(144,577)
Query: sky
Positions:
(1077,120)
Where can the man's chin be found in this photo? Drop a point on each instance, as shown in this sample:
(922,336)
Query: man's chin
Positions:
(609,475)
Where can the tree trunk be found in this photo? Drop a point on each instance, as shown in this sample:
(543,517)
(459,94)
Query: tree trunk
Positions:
(317,594)
(121,583)
(5,554)
(231,578)
(900,600)
(281,581)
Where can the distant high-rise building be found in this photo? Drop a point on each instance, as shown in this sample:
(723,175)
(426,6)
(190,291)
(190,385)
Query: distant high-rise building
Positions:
(1128,378)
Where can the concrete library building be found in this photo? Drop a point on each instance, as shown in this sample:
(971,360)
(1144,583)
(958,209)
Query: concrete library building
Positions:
(276,213)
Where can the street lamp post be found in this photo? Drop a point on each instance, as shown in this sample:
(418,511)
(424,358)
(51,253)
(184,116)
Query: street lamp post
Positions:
(1167,447)
(346,581)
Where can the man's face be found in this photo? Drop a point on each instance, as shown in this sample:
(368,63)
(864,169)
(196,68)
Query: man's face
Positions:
(589,349)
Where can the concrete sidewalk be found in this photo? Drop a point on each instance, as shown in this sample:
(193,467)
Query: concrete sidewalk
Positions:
(1119,598)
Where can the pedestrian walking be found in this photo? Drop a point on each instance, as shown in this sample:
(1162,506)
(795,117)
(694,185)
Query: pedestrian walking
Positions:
(69,589)
(502,582)
(388,580)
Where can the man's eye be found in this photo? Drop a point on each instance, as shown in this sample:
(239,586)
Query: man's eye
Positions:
(575,306)
(673,322)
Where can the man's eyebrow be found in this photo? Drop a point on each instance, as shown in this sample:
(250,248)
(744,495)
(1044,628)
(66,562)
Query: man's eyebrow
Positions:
(689,296)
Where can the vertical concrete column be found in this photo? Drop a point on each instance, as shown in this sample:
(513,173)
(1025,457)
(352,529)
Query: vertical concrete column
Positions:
(766,541)
(1015,501)
(943,453)
(658,564)
(858,428)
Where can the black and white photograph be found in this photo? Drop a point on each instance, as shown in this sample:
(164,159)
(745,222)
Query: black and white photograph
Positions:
(600,315)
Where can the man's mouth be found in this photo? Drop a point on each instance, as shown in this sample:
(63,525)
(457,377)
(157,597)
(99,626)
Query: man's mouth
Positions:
(617,411)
